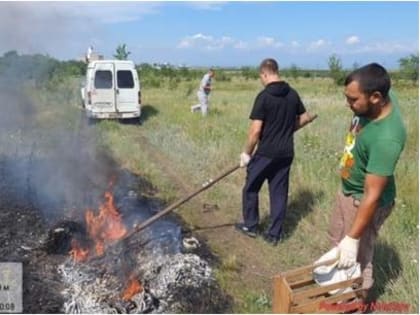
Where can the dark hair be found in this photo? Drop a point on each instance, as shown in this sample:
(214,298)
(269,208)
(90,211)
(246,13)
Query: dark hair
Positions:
(269,65)
(372,78)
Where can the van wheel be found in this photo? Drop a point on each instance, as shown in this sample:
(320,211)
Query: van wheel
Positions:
(132,121)
(91,121)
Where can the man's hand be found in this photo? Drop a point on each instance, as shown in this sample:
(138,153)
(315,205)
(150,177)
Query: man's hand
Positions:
(244,159)
(304,119)
(312,117)
(348,247)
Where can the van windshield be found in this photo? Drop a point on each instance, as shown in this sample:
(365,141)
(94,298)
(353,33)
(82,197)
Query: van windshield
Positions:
(103,79)
(125,79)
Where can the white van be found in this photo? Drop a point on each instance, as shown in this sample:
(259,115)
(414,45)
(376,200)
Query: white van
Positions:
(111,90)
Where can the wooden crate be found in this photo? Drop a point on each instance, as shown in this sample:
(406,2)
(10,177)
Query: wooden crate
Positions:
(295,291)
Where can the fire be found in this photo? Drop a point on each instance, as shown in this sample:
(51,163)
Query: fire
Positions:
(106,226)
(133,287)
(77,252)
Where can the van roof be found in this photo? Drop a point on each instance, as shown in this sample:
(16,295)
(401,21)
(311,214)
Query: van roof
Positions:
(111,61)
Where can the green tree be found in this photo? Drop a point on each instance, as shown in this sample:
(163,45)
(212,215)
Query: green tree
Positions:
(249,73)
(409,67)
(336,69)
(294,71)
(121,52)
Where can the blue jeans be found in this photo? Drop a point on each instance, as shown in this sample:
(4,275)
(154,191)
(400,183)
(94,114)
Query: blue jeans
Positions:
(276,172)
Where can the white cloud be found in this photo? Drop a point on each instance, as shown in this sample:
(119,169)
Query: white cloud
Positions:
(352,40)
(207,42)
(295,44)
(318,44)
(200,36)
(265,41)
(227,40)
(241,45)
(185,43)
(207,5)
(388,48)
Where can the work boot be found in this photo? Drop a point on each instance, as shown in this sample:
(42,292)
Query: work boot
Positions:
(270,239)
(251,232)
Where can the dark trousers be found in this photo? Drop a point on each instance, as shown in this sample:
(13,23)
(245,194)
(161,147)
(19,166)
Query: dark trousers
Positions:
(276,172)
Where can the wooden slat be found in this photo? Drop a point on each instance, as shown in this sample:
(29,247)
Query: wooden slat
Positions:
(310,293)
(306,269)
(299,277)
(281,295)
(343,297)
(308,280)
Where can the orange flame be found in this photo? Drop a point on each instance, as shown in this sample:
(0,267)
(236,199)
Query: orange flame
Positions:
(78,253)
(104,227)
(133,287)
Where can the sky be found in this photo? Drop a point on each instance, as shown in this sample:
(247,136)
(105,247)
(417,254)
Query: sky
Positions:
(217,34)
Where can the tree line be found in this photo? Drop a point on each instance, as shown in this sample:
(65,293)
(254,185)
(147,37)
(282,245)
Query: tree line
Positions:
(408,69)
(44,70)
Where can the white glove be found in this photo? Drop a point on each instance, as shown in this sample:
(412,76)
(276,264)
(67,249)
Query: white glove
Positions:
(348,248)
(245,158)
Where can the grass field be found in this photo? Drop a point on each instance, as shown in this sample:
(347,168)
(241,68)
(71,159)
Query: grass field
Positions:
(177,151)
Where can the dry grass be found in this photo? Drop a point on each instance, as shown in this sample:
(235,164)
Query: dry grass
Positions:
(196,149)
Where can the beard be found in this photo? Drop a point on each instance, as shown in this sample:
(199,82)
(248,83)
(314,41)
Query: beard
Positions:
(366,112)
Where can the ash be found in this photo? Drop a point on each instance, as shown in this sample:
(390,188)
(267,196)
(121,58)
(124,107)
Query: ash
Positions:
(173,283)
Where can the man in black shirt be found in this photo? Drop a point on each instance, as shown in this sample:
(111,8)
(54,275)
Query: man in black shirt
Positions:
(277,113)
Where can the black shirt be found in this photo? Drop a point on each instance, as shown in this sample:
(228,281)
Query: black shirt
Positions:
(278,106)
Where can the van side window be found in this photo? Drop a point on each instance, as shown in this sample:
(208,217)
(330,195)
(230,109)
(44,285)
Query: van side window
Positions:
(125,79)
(103,79)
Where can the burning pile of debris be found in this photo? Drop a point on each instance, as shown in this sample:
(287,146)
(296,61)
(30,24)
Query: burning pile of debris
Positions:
(149,273)
(168,282)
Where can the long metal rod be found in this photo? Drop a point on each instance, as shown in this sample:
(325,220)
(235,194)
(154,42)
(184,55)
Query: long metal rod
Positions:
(179,203)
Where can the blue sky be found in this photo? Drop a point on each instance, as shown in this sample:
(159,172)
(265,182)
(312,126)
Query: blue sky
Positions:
(216,33)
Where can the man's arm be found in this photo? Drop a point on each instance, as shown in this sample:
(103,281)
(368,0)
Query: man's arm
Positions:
(254,133)
(349,245)
(304,119)
(207,89)
(373,188)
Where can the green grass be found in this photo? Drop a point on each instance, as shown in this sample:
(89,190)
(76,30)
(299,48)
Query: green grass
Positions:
(198,148)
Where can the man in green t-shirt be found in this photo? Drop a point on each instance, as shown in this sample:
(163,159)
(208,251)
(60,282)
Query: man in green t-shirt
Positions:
(373,146)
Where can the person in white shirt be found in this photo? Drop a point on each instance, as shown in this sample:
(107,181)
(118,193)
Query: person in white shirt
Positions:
(89,53)
(203,93)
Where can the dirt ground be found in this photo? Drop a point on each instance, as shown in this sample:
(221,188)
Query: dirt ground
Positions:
(209,225)
(21,230)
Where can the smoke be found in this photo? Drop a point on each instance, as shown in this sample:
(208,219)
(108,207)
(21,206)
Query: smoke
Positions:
(63,29)
(49,157)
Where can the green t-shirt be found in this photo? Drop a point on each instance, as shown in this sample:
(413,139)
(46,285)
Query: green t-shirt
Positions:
(373,147)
